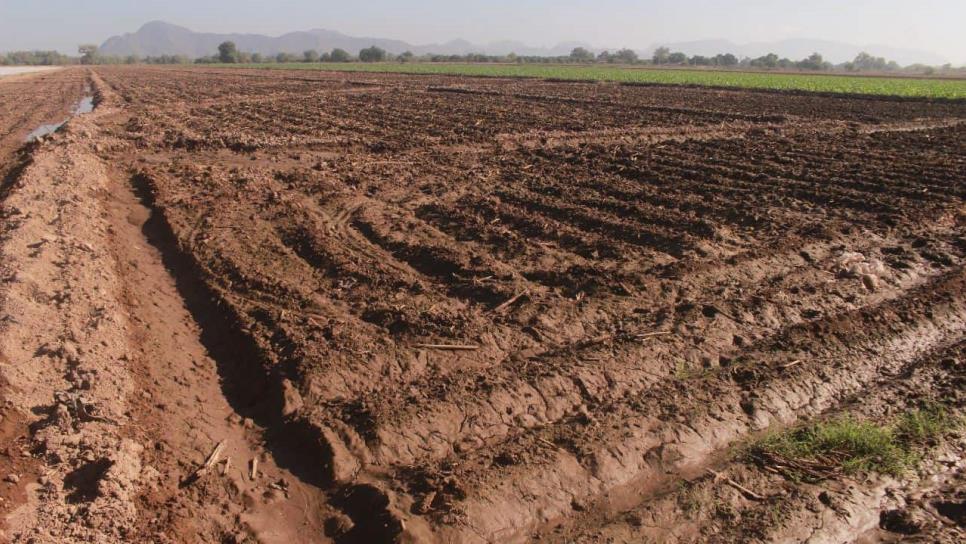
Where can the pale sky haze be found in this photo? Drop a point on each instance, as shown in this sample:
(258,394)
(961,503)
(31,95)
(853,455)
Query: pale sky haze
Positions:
(937,26)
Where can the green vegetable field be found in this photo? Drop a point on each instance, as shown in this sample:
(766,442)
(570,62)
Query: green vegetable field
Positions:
(889,86)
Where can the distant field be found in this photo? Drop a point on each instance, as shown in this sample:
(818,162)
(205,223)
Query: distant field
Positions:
(911,87)
(14,70)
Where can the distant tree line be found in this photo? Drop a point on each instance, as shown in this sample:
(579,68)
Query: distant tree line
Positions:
(664,56)
(228,53)
(36,58)
(87,54)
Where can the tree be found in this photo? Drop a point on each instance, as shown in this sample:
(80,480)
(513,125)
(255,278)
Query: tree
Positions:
(813,62)
(767,61)
(406,56)
(726,59)
(865,61)
(580,54)
(88,53)
(284,58)
(340,55)
(372,54)
(257,58)
(677,58)
(627,56)
(699,60)
(661,55)
(228,52)
(311,56)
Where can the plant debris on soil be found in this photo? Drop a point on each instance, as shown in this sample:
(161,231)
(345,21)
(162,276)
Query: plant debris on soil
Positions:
(292,306)
(847,445)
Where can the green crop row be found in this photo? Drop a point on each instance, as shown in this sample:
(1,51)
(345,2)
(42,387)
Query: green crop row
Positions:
(887,86)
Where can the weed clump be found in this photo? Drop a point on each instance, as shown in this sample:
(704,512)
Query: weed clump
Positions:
(925,426)
(845,445)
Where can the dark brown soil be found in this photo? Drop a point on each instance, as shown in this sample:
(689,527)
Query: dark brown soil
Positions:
(486,310)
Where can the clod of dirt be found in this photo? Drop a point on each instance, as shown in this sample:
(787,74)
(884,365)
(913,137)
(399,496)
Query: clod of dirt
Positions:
(292,400)
(338,524)
(83,483)
(899,521)
(342,465)
(955,511)
(870,282)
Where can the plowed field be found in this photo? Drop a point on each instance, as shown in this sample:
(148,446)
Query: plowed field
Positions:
(495,310)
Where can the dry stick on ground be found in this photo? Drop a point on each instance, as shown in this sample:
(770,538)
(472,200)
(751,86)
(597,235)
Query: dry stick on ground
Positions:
(718,477)
(214,455)
(789,467)
(254,472)
(651,334)
(547,443)
(447,347)
(637,336)
(209,462)
(793,363)
(502,307)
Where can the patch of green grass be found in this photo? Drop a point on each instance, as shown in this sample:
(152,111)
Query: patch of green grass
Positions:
(920,427)
(682,370)
(851,446)
(889,86)
(857,446)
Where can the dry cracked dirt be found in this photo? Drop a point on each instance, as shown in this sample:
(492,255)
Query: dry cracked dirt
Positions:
(295,306)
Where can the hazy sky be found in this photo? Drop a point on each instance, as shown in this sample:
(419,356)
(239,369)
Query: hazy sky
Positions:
(938,26)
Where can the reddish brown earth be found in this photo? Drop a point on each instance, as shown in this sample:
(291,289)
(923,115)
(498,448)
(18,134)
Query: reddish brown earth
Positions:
(470,310)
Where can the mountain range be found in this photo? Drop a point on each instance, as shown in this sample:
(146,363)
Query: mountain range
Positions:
(161,38)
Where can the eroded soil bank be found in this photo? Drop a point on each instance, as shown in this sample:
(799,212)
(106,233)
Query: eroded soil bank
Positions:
(118,399)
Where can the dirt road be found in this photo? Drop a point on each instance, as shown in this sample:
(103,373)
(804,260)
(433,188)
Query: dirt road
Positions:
(17,70)
(302,307)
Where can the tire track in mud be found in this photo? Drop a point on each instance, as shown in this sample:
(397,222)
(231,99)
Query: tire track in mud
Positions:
(211,383)
(266,394)
(272,492)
